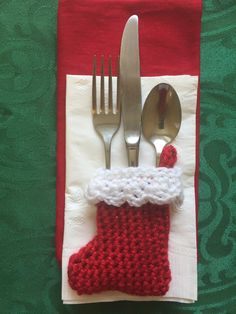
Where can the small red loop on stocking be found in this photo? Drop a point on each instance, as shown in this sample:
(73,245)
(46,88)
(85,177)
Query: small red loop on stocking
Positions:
(168,157)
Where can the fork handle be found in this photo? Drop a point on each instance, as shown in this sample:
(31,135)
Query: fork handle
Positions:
(107,147)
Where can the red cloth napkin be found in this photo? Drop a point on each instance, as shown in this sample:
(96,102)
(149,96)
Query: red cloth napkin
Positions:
(169,45)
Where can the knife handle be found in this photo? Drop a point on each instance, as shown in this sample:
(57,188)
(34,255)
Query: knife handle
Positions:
(133,152)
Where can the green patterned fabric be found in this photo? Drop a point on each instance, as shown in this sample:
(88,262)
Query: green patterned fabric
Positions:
(29,275)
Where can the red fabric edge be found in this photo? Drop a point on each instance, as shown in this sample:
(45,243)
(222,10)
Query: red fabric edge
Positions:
(61,160)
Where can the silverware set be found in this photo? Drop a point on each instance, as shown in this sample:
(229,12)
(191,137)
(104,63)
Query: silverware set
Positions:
(160,118)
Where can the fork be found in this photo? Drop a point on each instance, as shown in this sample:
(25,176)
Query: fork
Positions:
(106,120)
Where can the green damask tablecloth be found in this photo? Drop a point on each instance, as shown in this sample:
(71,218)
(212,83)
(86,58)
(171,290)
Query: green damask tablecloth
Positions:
(29,275)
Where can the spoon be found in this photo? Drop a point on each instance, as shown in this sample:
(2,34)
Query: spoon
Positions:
(161,117)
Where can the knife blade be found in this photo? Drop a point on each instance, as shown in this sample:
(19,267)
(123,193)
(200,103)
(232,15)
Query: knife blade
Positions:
(130,84)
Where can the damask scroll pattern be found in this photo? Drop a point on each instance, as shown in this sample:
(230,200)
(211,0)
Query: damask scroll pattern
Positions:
(30,279)
(217,215)
(29,272)
(217,196)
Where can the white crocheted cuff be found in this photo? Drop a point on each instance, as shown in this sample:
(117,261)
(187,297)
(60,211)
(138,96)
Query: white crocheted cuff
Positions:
(137,186)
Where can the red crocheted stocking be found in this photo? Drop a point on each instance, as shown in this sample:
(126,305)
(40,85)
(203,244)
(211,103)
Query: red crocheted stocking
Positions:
(129,252)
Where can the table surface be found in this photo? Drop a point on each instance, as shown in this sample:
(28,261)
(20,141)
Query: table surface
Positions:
(30,277)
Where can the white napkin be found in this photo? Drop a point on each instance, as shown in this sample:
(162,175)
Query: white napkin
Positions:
(84,154)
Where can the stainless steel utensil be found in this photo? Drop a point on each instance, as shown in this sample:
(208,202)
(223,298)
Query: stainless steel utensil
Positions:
(106,121)
(161,117)
(131,89)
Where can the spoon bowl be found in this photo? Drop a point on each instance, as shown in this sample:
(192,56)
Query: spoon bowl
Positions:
(161,117)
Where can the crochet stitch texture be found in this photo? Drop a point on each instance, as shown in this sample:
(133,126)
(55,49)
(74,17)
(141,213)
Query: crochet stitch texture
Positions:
(129,252)
(136,186)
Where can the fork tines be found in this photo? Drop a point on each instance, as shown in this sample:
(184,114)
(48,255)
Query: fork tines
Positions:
(102,106)
(106,120)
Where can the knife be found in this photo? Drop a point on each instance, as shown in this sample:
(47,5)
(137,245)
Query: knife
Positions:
(130,92)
